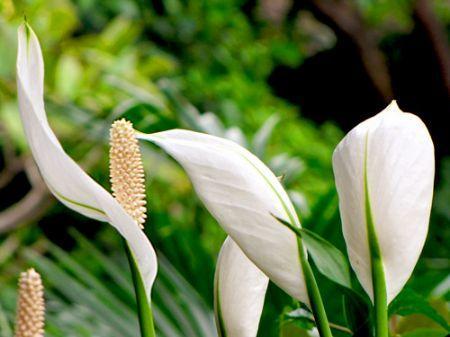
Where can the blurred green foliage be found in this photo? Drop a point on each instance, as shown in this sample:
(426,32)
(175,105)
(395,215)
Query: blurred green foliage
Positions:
(197,65)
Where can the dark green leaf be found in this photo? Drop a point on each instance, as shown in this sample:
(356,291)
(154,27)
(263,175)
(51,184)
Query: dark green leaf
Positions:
(304,319)
(357,313)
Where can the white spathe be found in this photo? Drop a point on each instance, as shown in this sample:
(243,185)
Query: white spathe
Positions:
(243,195)
(65,179)
(239,292)
(400,175)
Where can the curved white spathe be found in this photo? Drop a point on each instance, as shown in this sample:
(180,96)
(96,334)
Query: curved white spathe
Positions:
(239,292)
(399,156)
(243,195)
(65,179)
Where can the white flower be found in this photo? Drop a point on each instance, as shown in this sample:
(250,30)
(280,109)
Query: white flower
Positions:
(65,179)
(244,196)
(389,158)
(239,291)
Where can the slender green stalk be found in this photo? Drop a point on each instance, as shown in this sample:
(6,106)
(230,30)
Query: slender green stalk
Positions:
(380,299)
(378,278)
(315,298)
(144,307)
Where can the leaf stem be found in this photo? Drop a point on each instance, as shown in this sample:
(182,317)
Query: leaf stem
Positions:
(318,309)
(144,307)
(315,298)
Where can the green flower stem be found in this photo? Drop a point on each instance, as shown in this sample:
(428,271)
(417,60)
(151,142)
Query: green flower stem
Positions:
(380,299)
(144,307)
(315,298)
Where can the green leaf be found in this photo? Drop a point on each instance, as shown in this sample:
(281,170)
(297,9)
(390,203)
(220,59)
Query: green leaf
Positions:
(304,319)
(263,135)
(328,259)
(357,313)
(300,317)
(409,302)
(111,267)
(77,292)
(68,77)
(5,329)
(176,304)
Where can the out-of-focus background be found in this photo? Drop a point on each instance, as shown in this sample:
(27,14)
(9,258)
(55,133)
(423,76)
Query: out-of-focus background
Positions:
(286,79)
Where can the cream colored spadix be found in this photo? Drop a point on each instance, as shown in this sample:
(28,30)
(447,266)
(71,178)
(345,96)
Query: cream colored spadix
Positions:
(394,154)
(30,317)
(239,292)
(245,197)
(67,181)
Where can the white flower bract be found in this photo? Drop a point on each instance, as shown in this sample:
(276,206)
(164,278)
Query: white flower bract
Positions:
(65,179)
(239,292)
(395,152)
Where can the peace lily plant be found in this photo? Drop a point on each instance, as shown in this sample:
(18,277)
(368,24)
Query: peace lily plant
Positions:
(252,206)
(236,187)
(384,171)
(73,187)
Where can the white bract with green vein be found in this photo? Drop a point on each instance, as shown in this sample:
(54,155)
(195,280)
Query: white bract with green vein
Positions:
(239,292)
(244,196)
(65,179)
(384,170)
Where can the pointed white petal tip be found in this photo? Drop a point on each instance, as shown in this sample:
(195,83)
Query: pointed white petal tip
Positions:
(393,107)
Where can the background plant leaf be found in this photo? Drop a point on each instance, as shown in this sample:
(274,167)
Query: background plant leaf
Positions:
(408,302)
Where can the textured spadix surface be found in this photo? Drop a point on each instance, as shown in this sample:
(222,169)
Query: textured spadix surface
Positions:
(395,151)
(126,170)
(244,196)
(239,292)
(67,181)
(30,305)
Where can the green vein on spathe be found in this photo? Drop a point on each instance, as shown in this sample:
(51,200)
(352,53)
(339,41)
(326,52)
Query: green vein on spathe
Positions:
(374,246)
(376,260)
(27,31)
(59,195)
(286,209)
